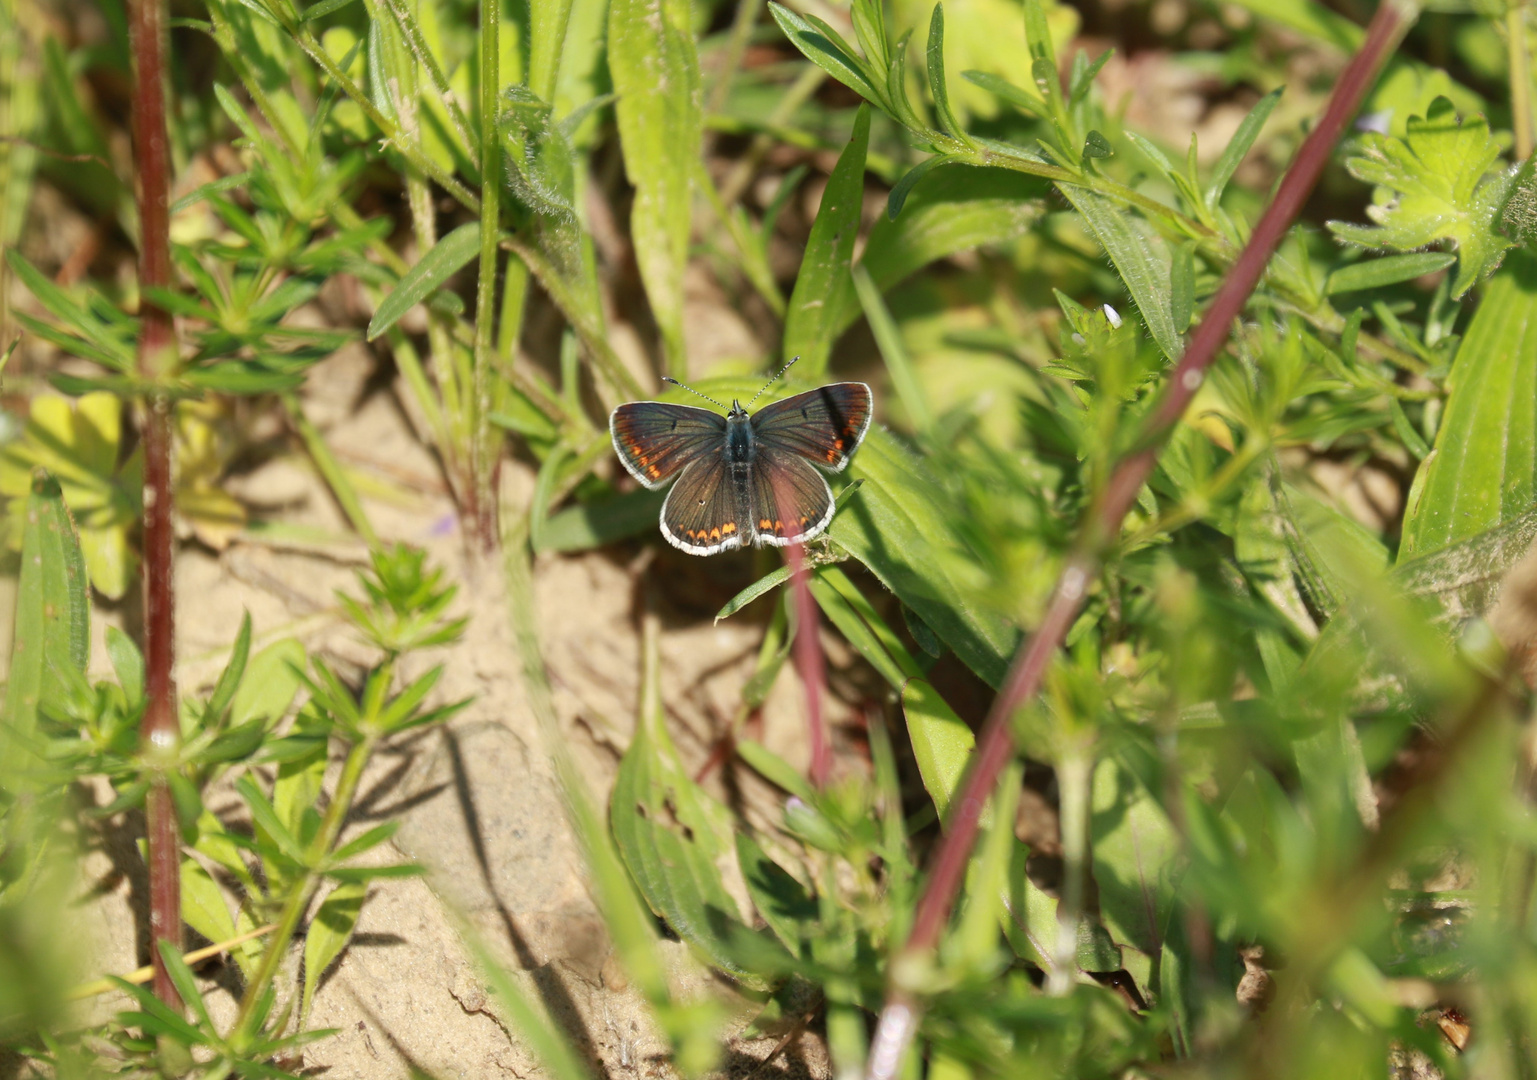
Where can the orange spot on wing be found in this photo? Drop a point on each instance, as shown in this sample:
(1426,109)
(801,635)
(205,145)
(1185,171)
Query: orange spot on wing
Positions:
(728,528)
(765,524)
(715,533)
(655,472)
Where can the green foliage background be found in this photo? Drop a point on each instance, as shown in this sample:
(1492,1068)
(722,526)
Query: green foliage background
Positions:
(1279,724)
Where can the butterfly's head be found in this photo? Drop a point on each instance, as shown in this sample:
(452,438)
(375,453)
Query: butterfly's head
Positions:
(737,412)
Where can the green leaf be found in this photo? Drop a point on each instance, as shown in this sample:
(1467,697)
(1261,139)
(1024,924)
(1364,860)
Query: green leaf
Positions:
(53,613)
(954,210)
(775,769)
(936,67)
(888,339)
(1441,189)
(270,684)
(1518,214)
(825,265)
(824,48)
(328,935)
(1389,270)
(909,180)
(899,528)
(1483,470)
(127,664)
(1141,259)
(204,907)
(769,581)
(651,58)
(431,271)
(783,902)
(1135,856)
(1023,100)
(848,610)
(670,835)
(1238,146)
(942,743)
(1038,33)
(594,524)
(234,671)
(1096,146)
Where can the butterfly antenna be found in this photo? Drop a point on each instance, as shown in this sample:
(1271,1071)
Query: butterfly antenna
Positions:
(691,390)
(774,380)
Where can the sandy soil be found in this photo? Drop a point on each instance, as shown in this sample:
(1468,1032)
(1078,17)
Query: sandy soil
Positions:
(476,799)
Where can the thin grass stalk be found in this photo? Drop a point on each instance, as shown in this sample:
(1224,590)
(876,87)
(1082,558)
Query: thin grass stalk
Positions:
(995,747)
(159,730)
(481,511)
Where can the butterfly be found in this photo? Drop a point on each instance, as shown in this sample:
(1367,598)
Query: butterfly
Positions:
(743,479)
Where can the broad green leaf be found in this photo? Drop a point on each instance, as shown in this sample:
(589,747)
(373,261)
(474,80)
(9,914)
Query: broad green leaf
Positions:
(204,907)
(671,836)
(328,934)
(52,628)
(652,60)
(79,444)
(1389,270)
(431,271)
(1483,470)
(846,607)
(898,527)
(1441,188)
(1141,259)
(1238,146)
(824,270)
(270,684)
(593,524)
(783,902)
(942,743)
(127,663)
(1136,853)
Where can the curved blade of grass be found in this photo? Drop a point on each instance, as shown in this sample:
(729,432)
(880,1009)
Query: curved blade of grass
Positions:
(655,69)
(825,266)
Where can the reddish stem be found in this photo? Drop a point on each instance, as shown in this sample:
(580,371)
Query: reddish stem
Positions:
(995,747)
(808,662)
(159,732)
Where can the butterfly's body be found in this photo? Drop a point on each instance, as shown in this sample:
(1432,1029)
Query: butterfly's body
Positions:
(743,480)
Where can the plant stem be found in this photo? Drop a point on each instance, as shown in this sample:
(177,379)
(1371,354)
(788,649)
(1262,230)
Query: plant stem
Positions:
(159,731)
(808,662)
(1520,79)
(1074,770)
(304,889)
(484,521)
(995,747)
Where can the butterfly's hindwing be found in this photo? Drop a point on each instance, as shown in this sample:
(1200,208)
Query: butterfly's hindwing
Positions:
(656,439)
(824,425)
(703,513)
(790,499)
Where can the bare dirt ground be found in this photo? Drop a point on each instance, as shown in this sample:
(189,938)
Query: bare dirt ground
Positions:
(478,804)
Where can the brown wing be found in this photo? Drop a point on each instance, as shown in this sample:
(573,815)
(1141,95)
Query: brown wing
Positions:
(824,425)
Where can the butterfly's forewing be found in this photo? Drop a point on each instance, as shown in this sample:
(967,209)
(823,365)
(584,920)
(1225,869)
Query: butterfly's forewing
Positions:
(701,514)
(656,439)
(823,425)
(790,500)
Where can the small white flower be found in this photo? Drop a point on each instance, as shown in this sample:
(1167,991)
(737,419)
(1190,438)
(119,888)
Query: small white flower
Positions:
(1113,315)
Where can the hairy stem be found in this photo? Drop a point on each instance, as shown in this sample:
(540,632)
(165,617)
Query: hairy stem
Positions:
(995,747)
(159,729)
(484,524)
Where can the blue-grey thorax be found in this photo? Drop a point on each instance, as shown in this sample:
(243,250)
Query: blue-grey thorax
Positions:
(739,443)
